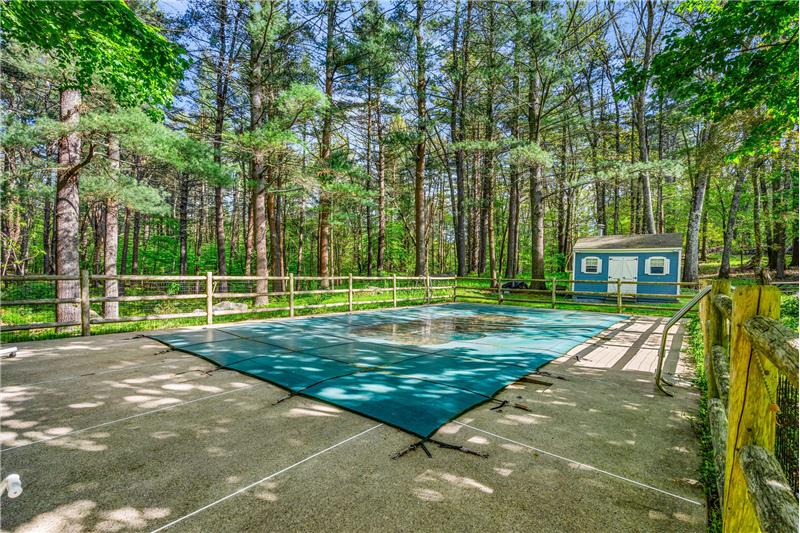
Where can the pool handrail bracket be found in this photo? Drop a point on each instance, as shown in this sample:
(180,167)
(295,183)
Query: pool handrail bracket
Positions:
(660,381)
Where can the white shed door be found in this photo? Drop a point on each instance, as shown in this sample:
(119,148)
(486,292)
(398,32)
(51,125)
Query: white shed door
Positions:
(624,269)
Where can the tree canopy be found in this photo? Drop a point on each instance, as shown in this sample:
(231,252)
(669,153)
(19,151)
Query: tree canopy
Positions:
(736,56)
(434,136)
(100,43)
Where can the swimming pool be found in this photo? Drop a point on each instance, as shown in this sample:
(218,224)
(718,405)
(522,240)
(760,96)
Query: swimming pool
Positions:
(414,368)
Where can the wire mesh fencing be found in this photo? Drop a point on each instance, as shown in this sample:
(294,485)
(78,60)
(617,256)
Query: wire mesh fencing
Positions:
(29,303)
(786,430)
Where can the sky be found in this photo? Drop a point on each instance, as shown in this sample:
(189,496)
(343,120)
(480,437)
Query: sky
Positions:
(173,7)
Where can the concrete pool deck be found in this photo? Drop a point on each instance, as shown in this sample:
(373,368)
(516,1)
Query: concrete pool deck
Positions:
(113,433)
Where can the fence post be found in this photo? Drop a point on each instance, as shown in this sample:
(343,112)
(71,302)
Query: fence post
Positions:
(291,294)
(428,289)
(553,294)
(350,293)
(209,298)
(751,407)
(499,292)
(619,296)
(455,288)
(86,314)
(394,290)
(715,331)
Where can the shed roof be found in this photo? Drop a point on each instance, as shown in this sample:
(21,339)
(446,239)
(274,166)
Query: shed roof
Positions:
(616,242)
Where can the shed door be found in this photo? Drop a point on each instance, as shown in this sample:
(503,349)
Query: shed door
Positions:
(624,269)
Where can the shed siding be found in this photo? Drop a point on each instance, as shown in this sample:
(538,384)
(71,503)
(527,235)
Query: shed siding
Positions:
(673,275)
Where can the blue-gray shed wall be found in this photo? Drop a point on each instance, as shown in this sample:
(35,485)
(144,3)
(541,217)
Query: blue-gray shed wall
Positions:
(672,276)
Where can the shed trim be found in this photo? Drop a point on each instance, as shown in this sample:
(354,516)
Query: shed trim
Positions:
(623,250)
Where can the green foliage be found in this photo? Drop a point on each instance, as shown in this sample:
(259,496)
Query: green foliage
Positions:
(530,154)
(126,191)
(708,469)
(660,167)
(737,56)
(135,131)
(301,101)
(375,50)
(297,103)
(99,43)
(789,311)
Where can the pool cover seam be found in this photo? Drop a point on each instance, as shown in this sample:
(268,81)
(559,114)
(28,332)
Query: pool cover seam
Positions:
(579,463)
(260,481)
(344,340)
(137,415)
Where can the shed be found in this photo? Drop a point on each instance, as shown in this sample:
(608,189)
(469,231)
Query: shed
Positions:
(601,261)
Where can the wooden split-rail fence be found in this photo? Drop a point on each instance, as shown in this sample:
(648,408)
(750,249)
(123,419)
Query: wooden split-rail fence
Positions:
(746,350)
(209,288)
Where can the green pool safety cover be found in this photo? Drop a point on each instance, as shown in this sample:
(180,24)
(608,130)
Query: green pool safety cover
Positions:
(414,368)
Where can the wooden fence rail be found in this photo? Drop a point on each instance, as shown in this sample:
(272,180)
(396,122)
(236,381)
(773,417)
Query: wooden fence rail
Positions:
(479,289)
(433,288)
(206,287)
(746,348)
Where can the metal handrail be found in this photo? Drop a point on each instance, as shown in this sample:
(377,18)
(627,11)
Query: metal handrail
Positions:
(660,382)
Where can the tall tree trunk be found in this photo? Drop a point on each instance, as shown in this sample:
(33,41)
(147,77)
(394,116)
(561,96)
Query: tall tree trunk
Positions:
(67,208)
(300,242)
(47,230)
(535,189)
(458,215)
(219,227)
(111,309)
(617,148)
(24,239)
(641,123)
(562,221)
(512,265)
(730,228)
(137,220)
(200,235)
(183,223)
(792,194)
(778,228)
(324,251)
(660,204)
(474,216)
(759,247)
(276,248)
(219,124)
(460,135)
(704,236)
(369,174)
(258,226)
(249,238)
(766,208)
(488,170)
(260,239)
(234,225)
(660,182)
(98,229)
(126,234)
(381,169)
(691,266)
(419,162)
